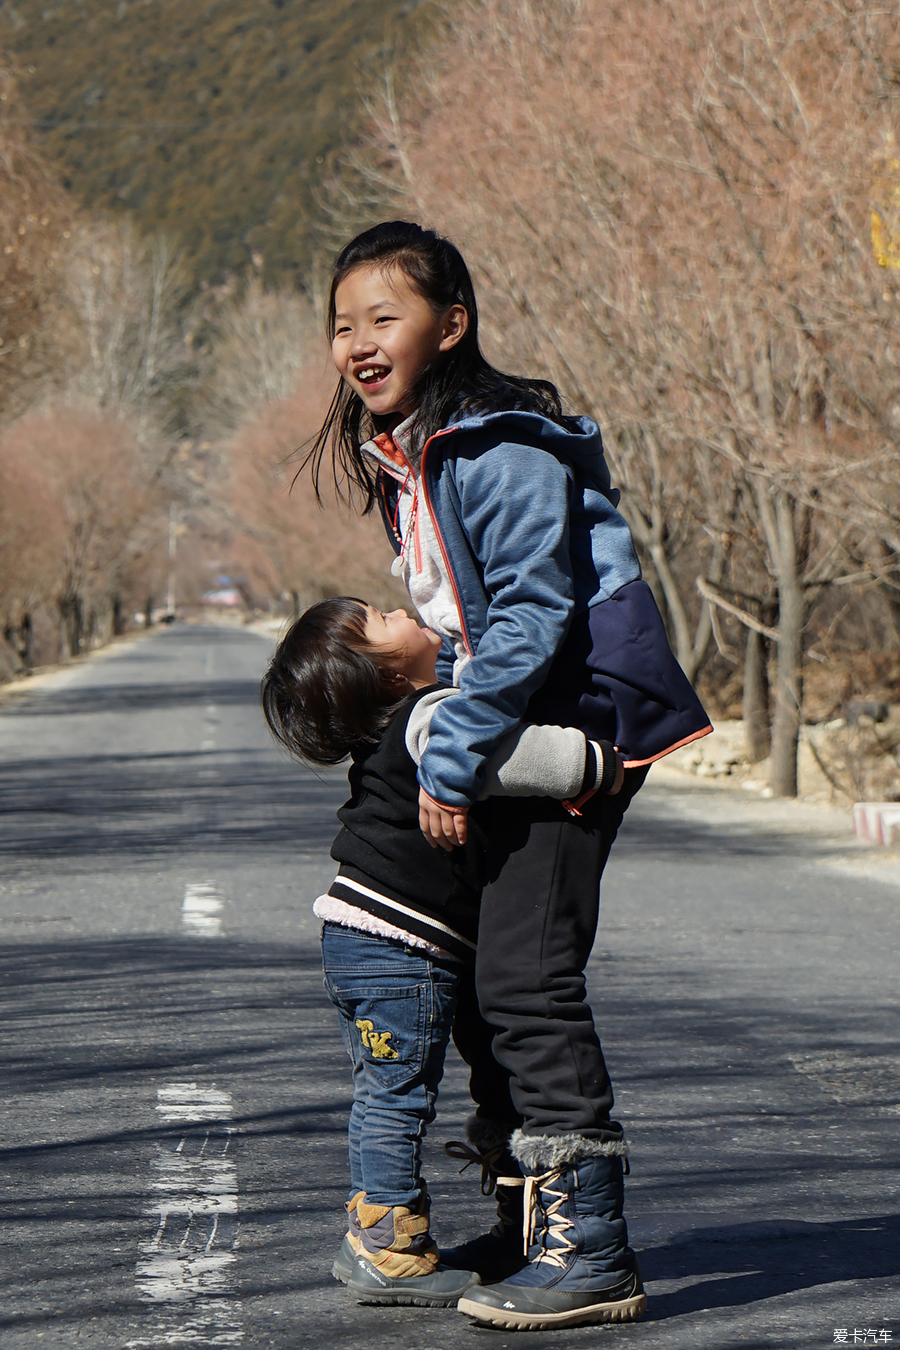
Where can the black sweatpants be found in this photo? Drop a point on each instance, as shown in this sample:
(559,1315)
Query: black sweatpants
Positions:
(538,922)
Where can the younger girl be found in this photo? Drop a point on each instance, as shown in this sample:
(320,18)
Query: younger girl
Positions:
(503,520)
(401,921)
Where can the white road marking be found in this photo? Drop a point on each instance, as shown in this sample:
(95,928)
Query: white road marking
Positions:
(201,909)
(184,1270)
(187,1102)
(209,726)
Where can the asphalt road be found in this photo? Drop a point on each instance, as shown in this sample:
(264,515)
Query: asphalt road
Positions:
(172,1125)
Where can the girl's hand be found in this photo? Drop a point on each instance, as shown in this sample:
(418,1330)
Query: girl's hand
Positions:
(443,826)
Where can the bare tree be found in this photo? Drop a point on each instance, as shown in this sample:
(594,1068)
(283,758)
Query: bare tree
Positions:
(125,294)
(92,366)
(30,550)
(292,545)
(89,498)
(261,341)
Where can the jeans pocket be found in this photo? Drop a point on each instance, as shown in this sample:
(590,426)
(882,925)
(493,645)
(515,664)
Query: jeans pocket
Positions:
(386,1028)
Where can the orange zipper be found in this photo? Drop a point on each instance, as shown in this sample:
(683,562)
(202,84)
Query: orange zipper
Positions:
(445,431)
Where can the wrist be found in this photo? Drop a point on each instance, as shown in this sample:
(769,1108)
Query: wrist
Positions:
(441,806)
(607,765)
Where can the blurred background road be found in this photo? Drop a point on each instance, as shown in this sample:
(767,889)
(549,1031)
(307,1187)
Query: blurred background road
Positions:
(175,1098)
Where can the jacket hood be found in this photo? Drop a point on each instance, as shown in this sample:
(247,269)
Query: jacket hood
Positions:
(580,444)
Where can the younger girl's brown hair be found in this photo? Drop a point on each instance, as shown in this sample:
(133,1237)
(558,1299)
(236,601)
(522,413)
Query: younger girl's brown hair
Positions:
(324,691)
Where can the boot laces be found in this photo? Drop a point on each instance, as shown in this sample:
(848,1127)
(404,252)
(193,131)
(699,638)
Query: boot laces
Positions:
(487,1161)
(555,1223)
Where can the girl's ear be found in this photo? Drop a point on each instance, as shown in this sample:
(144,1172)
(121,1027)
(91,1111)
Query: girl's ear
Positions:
(395,680)
(455,323)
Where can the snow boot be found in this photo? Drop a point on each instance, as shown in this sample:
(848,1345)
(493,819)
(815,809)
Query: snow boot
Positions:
(580,1268)
(497,1254)
(397,1259)
(346,1257)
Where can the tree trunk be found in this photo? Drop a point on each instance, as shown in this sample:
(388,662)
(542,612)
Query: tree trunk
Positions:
(71,626)
(148,612)
(27,649)
(11,637)
(756,697)
(891,595)
(792,614)
(20,640)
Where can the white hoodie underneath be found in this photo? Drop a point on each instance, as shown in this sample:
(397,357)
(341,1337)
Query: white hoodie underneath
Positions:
(421,561)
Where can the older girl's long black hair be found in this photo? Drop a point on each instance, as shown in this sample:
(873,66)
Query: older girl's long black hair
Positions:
(324,692)
(459,382)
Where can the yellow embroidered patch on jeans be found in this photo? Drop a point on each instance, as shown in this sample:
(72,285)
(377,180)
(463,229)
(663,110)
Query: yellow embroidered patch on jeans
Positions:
(376,1041)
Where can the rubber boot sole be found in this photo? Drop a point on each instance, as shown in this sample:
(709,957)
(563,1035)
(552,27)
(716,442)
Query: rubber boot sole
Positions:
(621,1310)
(441,1289)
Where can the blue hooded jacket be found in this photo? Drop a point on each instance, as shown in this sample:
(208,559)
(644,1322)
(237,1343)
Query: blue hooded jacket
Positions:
(553,610)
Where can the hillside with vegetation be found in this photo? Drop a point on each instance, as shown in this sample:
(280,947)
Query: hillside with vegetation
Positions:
(213,122)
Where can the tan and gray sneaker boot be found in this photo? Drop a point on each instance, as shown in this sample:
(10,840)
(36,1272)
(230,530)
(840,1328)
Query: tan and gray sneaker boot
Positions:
(397,1260)
(343,1262)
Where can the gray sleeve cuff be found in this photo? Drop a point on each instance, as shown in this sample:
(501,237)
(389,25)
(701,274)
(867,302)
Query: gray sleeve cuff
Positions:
(537,761)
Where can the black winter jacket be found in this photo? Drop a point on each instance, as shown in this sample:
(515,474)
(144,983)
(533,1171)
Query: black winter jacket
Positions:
(386,866)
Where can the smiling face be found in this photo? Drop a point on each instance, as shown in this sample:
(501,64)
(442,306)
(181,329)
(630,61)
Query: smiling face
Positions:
(385,334)
(406,649)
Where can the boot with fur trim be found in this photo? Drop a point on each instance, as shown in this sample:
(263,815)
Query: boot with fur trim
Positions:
(499,1253)
(346,1257)
(397,1259)
(580,1268)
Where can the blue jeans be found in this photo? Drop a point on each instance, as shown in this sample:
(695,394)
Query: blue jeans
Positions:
(396,1005)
